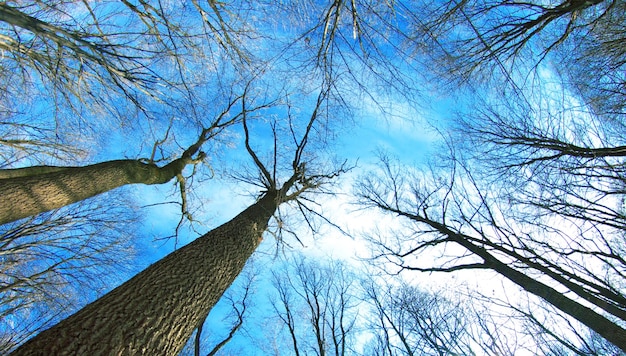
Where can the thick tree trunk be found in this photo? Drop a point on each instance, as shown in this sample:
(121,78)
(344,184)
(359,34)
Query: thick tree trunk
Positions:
(155,312)
(29,194)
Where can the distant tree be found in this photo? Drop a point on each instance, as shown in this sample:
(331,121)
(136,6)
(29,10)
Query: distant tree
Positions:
(157,310)
(409,321)
(317,303)
(56,262)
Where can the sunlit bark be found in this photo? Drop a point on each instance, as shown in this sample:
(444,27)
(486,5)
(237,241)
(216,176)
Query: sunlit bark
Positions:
(28,195)
(156,311)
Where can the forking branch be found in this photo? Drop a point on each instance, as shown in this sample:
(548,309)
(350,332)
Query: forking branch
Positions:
(300,179)
(193,154)
(304,175)
(161,320)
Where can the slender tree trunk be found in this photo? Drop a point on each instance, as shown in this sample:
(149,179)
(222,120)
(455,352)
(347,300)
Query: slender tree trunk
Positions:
(29,193)
(196,344)
(292,330)
(596,322)
(155,312)
(587,316)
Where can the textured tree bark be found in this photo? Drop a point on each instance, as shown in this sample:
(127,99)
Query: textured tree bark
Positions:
(155,312)
(30,194)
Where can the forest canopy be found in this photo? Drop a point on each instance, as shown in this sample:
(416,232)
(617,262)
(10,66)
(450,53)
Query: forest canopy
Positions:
(480,142)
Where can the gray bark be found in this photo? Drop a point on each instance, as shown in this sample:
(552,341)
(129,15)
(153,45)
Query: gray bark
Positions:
(156,312)
(29,192)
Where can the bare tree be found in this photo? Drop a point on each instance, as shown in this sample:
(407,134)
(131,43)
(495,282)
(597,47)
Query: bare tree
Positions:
(533,182)
(74,43)
(82,54)
(71,64)
(158,309)
(42,188)
(68,70)
(317,303)
(476,36)
(453,210)
(287,315)
(593,60)
(51,264)
(408,321)
(540,321)
(76,65)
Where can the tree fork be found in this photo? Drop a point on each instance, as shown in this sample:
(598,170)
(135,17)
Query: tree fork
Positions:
(155,312)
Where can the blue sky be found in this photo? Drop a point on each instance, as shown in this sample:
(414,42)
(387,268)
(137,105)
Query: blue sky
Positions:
(406,135)
(403,125)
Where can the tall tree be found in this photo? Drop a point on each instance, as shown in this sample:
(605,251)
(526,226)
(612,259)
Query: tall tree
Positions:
(317,302)
(43,188)
(455,211)
(157,310)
